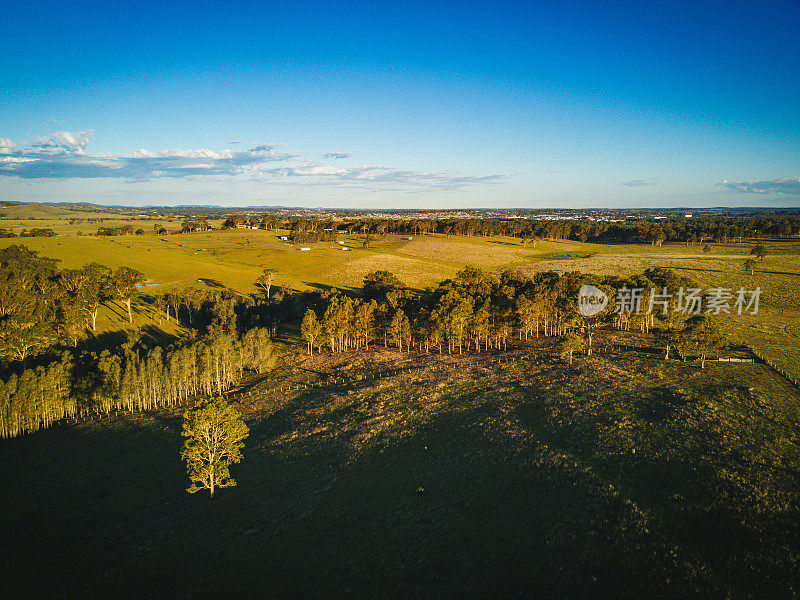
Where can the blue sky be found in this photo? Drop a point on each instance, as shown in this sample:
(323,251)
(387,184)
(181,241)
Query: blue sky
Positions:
(401,104)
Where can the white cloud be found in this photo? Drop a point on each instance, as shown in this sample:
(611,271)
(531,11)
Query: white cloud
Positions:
(69,141)
(74,139)
(63,155)
(374,175)
(784,186)
(330,155)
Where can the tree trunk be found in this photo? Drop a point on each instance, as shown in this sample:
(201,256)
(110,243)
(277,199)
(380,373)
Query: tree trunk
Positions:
(128,305)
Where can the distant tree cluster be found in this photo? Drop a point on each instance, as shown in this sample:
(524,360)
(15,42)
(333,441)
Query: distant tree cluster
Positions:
(38,232)
(241,222)
(193,226)
(309,237)
(650,231)
(114,231)
(33,232)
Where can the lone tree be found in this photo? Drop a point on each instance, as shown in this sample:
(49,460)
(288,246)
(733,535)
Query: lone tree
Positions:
(368,239)
(265,280)
(706,248)
(215,434)
(702,336)
(570,343)
(759,252)
(125,284)
(750,266)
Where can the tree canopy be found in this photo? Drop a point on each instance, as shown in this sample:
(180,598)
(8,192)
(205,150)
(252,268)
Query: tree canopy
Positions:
(215,434)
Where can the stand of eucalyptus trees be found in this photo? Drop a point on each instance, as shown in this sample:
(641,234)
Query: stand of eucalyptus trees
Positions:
(130,380)
(474,311)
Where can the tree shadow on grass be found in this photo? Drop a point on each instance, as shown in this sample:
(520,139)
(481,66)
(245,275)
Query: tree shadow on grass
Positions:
(108,340)
(434,498)
(155,336)
(213,283)
(323,287)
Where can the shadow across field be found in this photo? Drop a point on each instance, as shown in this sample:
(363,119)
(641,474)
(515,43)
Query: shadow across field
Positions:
(448,508)
(529,478)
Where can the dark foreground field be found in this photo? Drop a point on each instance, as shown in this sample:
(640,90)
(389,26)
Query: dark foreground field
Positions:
(619,476)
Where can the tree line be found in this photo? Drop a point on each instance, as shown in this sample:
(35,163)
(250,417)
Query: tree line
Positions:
(46,311)
(722,229)
(130,379)
(477,311)
(33,232)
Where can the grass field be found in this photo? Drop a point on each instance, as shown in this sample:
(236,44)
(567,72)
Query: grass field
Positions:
(234,258)
(622,476)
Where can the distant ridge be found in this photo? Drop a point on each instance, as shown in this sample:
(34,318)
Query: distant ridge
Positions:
(216,208)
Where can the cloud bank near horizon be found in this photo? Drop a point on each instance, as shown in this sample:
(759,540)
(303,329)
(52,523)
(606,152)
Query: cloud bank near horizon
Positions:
(63,155)
(787,186)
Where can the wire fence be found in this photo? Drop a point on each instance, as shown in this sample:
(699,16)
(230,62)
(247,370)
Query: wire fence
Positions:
(772,365)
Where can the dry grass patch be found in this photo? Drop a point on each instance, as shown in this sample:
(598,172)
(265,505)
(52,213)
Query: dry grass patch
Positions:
(486,253)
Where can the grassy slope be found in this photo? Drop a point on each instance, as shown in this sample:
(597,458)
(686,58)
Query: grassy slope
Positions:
(541,480)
